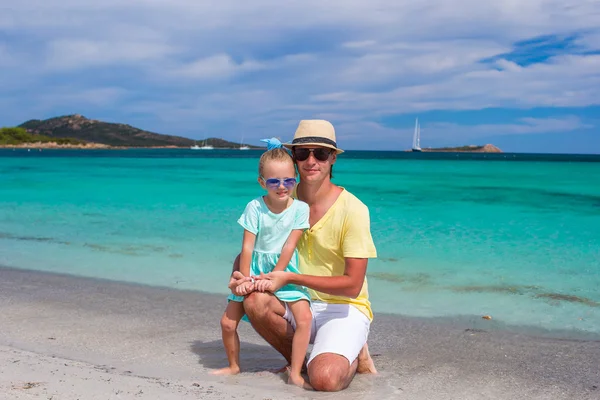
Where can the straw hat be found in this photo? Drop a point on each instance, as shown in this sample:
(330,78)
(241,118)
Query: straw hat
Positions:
(316,132)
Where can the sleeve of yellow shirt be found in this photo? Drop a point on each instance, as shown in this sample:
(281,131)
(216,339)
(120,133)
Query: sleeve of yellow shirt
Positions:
(357,239)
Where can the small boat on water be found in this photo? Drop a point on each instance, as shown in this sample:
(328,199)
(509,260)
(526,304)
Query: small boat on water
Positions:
(242,146)
(204,146)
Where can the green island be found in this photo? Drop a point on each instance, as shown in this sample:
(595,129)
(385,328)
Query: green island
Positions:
(17,136)
(77,131)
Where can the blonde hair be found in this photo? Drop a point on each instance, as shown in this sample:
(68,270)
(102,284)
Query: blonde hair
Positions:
(277,154)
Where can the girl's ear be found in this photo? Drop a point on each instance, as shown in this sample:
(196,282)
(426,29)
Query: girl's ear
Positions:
(261,183)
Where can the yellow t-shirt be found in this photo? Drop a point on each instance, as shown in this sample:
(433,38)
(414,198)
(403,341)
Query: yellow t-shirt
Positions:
(344,231)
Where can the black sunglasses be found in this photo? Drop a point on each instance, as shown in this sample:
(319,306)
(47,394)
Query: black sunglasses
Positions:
(320,153)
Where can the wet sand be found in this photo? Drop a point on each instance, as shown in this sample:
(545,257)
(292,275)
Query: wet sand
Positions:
(65,337)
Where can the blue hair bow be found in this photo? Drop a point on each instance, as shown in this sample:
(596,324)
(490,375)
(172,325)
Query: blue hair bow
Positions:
(272,143)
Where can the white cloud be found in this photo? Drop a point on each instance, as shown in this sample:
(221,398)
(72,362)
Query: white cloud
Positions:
(217,66)
(408,62)
(359,45)
(69,95)
(522,126)
(76,53)
(384,18)
(566,81)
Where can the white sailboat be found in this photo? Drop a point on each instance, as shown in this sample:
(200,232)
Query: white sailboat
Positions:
(204,146)
(207,147)
(416,146)
(242,147)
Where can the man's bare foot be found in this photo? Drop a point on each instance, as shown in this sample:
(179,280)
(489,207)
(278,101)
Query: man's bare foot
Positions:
(227,371)
(299,381)
(365,362)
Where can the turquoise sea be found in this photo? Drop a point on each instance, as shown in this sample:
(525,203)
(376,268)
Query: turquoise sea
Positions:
(513,236)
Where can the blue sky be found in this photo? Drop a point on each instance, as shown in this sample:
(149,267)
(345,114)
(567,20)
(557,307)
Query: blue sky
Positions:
(525,77)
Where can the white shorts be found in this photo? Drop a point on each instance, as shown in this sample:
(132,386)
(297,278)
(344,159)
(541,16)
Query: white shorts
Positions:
(336,328)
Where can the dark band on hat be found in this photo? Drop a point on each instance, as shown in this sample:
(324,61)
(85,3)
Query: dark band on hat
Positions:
(314,139)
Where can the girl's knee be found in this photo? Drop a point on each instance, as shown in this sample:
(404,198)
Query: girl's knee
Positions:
(228,325)
(303,317)
(303,322)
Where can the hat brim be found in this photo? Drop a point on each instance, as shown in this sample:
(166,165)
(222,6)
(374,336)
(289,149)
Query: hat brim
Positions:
(292,145)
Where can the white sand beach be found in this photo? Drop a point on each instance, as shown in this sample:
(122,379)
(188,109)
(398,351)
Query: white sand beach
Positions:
(65,337)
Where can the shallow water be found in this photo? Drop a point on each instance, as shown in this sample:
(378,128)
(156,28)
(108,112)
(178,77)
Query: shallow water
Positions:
(516,237)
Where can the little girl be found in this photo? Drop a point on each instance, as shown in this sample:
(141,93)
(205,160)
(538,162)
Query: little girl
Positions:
(272,226)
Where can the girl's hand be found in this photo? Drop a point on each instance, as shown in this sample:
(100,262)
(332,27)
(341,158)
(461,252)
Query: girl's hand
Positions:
(237,278)
(244,289)
(263,285)
(277,279)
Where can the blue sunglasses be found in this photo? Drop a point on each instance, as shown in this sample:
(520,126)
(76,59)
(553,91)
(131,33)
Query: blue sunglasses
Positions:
(274,183)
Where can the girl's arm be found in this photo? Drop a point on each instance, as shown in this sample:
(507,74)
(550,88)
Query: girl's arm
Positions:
(246,254)
(288,250)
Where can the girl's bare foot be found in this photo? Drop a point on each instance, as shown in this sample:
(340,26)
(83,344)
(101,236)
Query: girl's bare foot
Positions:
(299,381)
(227,371)
(365,362)
(280,370)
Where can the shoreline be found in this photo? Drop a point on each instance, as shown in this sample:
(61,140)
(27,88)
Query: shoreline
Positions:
(472,322)
(69,336)
(54,145)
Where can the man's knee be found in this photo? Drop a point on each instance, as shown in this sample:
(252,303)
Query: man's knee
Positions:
(327,382)
(256,305)
(329,375)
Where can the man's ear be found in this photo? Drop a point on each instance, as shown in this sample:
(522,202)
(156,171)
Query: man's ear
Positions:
(333,157)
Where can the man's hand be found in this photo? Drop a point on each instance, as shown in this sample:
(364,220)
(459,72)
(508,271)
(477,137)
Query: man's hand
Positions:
(237,278)
(277,279)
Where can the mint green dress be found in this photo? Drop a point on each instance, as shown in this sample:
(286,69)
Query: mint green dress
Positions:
(272,231)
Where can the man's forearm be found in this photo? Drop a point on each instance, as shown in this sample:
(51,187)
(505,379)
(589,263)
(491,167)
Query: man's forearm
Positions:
(236,264)
(342,285)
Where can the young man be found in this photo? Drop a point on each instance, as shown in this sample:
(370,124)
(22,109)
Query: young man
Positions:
(333,257)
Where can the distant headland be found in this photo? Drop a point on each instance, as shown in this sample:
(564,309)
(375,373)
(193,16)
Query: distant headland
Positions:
(77,131)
